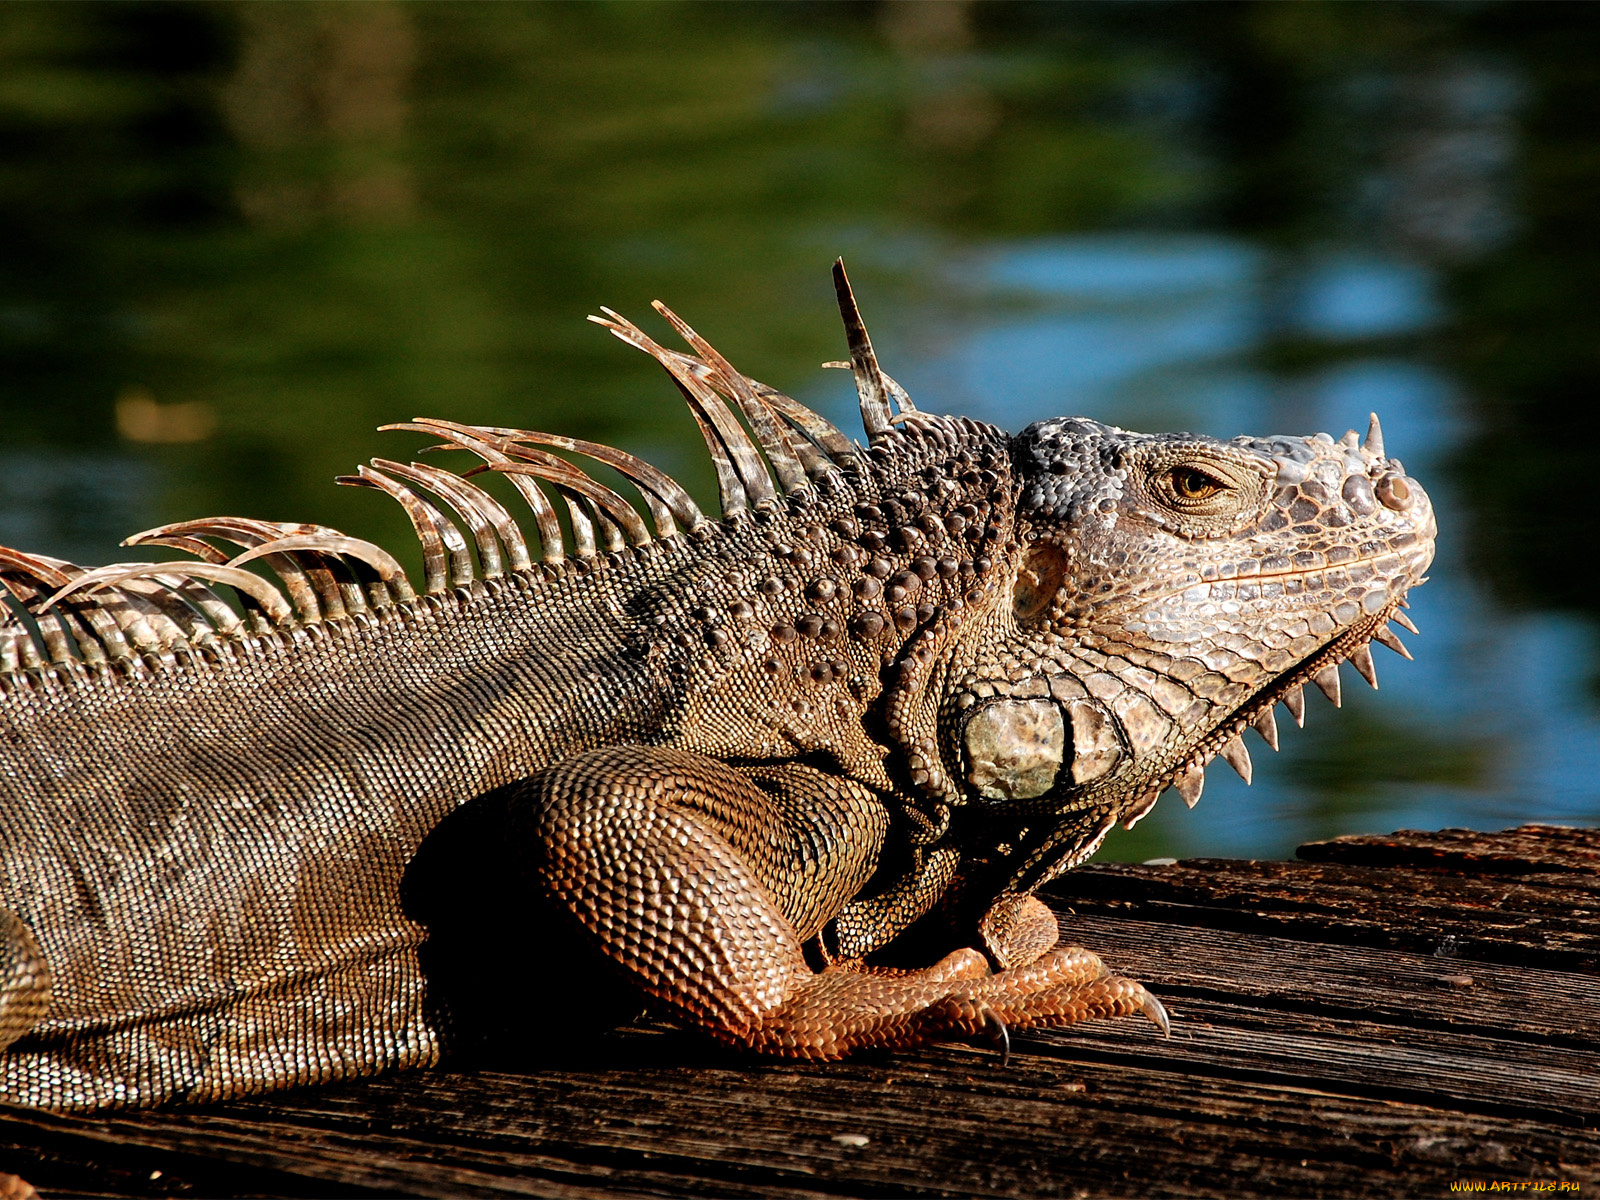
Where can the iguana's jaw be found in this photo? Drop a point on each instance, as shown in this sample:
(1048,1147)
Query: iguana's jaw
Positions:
(1149,632)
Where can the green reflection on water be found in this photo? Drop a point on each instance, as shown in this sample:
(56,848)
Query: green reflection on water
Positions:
(242,236)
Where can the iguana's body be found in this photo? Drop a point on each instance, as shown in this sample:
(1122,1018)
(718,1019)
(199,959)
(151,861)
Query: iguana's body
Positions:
(917,679)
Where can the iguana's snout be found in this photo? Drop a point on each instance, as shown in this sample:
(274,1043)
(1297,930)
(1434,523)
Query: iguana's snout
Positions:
(1170,591)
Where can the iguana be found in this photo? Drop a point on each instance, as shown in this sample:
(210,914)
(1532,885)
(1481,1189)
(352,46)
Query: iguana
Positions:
(740,762)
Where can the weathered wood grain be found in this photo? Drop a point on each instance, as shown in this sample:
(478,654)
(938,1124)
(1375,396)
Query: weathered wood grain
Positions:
(1536,920)
(945,1123)
(1523,1004)
(1530,849)
(1320,1047)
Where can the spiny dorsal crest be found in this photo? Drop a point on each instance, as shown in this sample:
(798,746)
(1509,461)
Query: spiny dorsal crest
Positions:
(763,444)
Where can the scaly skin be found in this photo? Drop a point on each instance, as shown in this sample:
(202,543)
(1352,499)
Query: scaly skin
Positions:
(733,761)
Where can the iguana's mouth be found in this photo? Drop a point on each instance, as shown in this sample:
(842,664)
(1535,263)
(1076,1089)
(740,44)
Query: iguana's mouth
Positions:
(1392,557)
(1320,669)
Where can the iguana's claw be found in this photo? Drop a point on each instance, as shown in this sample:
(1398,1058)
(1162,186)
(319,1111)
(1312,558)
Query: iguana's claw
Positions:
(999,1036)
(1156,1012)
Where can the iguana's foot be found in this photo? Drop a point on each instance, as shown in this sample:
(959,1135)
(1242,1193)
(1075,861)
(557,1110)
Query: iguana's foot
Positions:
(841,1011)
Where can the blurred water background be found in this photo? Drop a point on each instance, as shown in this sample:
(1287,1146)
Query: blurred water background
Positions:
(236,237)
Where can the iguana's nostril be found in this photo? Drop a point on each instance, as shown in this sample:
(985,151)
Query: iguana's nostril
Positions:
(1395,491)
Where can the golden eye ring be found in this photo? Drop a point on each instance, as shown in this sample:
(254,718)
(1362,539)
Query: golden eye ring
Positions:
(1194,485)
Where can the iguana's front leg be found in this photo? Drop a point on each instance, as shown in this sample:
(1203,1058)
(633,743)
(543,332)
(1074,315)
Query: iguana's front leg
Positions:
(703,882)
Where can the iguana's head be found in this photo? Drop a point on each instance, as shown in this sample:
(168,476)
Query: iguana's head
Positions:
(1169,590)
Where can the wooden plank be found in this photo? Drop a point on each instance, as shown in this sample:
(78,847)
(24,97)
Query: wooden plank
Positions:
(1319,1048)
(1364,1058)
(1529,849)
(1530,920)
(1413,991)
(944,1123)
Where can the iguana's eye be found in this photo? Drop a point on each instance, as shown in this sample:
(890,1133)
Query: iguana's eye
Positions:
(1193,484)
(1198,490)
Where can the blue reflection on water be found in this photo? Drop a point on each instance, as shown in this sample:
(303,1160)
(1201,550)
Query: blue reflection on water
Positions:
(1539,664)
(1366,297)
(1100,315)
(1108,269)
